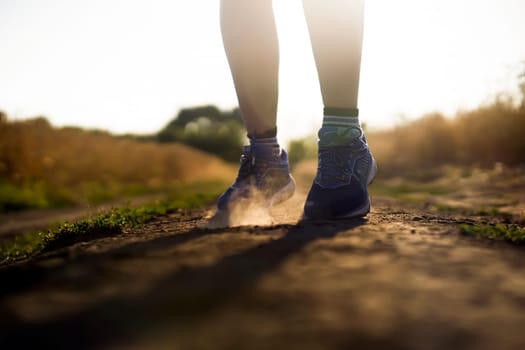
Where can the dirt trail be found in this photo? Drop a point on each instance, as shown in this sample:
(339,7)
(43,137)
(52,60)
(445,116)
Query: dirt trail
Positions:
(404,278)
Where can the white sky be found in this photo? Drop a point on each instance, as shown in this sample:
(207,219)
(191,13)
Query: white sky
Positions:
(129,66)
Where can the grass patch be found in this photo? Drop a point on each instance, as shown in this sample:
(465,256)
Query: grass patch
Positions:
(493,212)
(444,208)
(40,196)
(407,192)
(110,223)
(14,198)
(510,233)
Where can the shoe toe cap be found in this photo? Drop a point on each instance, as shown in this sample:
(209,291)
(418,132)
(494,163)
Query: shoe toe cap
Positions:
(335,203)
(225,199)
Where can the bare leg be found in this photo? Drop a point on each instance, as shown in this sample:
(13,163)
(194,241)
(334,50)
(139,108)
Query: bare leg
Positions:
(251,45)
(250,42)
(336,32)
(346,166)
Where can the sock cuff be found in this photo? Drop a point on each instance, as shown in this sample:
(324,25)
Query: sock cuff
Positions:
(263,135)
(270,141)
(347,122)
(341,112)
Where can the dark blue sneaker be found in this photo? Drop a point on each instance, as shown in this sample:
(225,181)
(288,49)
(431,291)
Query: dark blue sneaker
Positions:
(263,180)
(345,169)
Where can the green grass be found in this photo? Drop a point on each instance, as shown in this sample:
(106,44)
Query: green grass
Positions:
(110,223)
(409,192)
(490,212)
(444,207)
(14,198)
(40,196)
(511,233)
(493,212)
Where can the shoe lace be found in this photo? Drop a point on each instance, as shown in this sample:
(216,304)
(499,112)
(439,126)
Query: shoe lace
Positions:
(254,168)
(246,167)
(332,164)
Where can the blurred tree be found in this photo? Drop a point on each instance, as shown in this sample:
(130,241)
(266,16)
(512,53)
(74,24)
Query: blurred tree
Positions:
(208,129)
(302,149)
(521,84)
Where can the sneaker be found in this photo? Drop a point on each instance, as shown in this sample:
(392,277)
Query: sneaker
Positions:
(263,180)
(345,169)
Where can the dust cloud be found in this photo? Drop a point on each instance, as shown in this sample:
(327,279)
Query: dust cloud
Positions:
(256,211)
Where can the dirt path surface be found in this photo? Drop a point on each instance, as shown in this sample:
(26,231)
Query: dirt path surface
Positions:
(404,278)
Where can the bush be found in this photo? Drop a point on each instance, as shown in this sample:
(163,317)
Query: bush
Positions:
(208,129)
(482,137)
(301,149)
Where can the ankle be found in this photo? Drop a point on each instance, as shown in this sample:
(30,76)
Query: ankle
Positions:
(266,140)
(341,117)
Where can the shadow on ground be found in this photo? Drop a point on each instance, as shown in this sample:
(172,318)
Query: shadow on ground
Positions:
(176,301)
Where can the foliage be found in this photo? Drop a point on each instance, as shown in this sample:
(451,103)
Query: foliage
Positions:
(521,84)
(301,149)
(208,129)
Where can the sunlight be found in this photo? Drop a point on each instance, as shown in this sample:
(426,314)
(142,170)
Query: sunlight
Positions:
(134,69)
(421,56)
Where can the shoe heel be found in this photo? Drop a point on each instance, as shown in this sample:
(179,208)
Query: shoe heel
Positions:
(284,194)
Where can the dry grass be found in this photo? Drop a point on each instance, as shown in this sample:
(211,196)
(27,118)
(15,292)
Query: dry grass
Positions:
(489,136)
(46,166)
(479,138)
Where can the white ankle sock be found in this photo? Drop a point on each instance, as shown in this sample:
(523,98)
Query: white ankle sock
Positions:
(341,117)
